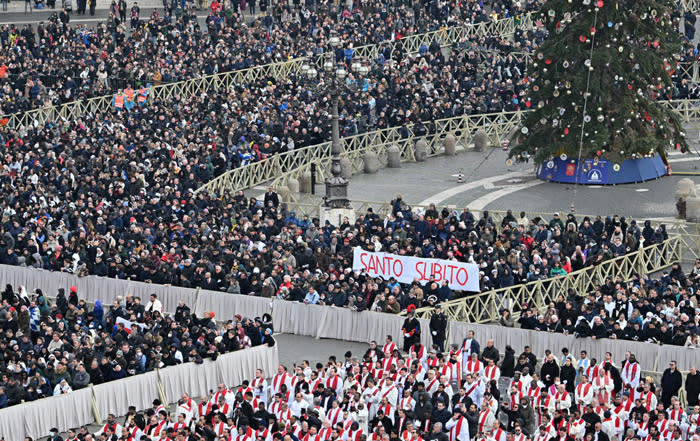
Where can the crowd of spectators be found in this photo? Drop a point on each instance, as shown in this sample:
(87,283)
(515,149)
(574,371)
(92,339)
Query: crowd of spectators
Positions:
(59,62)
(54,347)
(470,392)
(662,311)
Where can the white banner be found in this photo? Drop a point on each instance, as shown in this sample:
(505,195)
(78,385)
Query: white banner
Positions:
(460,276)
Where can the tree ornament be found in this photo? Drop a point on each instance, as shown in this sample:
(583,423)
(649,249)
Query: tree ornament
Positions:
(599,3)
(601,118)
(565,64)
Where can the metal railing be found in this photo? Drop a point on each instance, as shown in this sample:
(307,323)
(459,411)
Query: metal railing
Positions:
(505,27)
(281,70)
(690,5)
(485,307)
(294,163)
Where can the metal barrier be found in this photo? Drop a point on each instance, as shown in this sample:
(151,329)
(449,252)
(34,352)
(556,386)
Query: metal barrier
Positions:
(281,70)
(505,27)
(294,163)
(485,307)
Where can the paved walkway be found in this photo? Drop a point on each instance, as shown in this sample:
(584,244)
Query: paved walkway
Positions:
(489,183)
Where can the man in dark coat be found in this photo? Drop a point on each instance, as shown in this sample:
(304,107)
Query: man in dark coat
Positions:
(438,327)
(692,386)
(671,382)
(411,330)
(549,370)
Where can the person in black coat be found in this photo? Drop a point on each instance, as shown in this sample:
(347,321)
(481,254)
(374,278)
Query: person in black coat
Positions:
(567,374)
(598,434)
(438,327)
(436,433)
(508,364)
(671,382)
(692,386)
(441,413)
(383,419)
(549,371)
(616,377)
(411,330)
(248,411)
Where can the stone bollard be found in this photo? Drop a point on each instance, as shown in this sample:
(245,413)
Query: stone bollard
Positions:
(305,182)
(393,156)
(481,141)
(421,150)
(283,192)
(346,168)
(683,188)
(371,162)
(693,206)
(450,145)
(293,185)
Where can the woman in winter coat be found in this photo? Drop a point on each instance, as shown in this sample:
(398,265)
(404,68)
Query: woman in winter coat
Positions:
(508,364)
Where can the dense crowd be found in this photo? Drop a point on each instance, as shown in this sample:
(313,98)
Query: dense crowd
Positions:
(662,311)
(59,62)
(52,348)
(470,392)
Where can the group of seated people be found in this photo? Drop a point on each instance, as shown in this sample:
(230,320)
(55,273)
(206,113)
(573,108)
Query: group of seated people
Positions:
(466,393)
(54,347)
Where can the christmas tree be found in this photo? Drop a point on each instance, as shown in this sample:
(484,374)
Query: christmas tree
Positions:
(595,82)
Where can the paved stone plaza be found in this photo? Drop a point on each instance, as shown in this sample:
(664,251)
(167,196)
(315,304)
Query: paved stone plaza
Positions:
(490,184)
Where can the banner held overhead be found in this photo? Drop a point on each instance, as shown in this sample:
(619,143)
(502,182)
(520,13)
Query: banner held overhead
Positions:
(459,275)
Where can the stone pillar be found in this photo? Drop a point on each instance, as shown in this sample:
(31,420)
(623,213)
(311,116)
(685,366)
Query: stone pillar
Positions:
(693,206)
(683,188)
(371,162)
(450,145)
(293,185)
(305,182)
(393,156)
(283,192)
(421,150)
(481,141)
(346,167)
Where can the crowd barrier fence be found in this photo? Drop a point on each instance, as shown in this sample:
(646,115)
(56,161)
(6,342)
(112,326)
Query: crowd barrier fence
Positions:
(278,169)
(279,71)
(487,306)
(94,403)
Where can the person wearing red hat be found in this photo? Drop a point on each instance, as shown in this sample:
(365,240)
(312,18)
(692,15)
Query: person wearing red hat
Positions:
(410,329)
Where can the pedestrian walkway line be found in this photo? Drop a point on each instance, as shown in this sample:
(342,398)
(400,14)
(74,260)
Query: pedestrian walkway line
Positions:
(482,202)
(461,188)
(691,159)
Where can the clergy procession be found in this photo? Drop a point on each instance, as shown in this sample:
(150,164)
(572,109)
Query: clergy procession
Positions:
(466,393)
